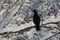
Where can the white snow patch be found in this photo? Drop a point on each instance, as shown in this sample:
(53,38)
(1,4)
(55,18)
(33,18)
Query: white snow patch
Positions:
(2,11)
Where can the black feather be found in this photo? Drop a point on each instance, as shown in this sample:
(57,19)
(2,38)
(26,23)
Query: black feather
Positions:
(36,20)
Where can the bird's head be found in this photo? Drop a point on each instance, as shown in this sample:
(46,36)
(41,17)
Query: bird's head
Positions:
(34,11)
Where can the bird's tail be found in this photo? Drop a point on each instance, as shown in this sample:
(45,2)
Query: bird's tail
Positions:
(37,27)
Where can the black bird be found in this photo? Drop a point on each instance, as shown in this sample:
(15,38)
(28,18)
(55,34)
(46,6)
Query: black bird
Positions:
(36,20)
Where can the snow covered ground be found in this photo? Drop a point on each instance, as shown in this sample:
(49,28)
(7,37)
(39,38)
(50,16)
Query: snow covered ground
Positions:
(16,20)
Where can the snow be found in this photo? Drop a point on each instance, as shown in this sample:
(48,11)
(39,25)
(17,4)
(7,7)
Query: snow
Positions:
(15,28)
(7,19)
(47,36)
(14,23)
(2,11)
(52,19)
